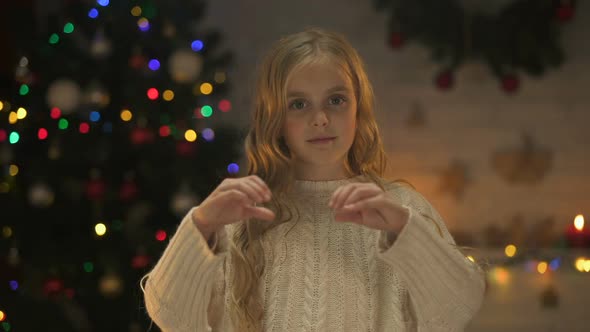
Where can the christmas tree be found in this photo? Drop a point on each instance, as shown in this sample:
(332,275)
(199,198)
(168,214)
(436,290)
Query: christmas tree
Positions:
(104,146)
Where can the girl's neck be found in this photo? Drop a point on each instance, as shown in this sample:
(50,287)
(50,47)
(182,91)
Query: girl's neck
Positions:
(324,185)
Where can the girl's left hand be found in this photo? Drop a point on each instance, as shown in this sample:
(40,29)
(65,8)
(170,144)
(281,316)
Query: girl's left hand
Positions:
(367,204)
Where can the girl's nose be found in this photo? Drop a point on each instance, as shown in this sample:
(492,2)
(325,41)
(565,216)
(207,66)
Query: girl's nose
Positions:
(320,119)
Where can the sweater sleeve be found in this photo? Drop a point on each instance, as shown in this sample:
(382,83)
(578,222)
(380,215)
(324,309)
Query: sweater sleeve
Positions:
(446,289)
(179,288)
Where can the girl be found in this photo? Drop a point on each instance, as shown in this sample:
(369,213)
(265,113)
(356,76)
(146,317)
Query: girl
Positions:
(314,239)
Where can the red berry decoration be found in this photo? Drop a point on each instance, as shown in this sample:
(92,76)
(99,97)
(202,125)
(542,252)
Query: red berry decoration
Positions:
(185,148)
(52,287)
(141,136)
(565,12)
(95,189)
(510,83)
(444,80)
(396,40)
(128,191)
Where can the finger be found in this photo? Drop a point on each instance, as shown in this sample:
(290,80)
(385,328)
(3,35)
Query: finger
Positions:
(250,188)
(236,196)
(262,184)
(260,187)
(354,217)
(362,193)
(259,213)
(341,196)
(334,196)
(373,202)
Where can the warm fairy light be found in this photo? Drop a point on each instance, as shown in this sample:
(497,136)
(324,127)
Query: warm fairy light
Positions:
(12,118)
(500,275)
(126,115)
(579,222)
(586,265)
(100,229)
(510,250)
(206,88)
(168,95)
(190,135)
(580,264)
(6,231)
(136,11)
(13,170)
(542,267)
(219,77)
(21,113)
(2,316)
(1,106)
(471,258)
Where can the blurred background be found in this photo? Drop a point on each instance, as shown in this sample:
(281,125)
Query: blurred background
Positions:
(117,116)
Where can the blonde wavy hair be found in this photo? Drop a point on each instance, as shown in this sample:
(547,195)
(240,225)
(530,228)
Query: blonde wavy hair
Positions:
(270,159)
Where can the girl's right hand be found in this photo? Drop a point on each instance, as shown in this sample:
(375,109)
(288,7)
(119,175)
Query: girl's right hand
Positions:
(233,200)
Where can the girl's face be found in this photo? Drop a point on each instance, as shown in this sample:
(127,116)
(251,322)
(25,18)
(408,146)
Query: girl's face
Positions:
(320,120)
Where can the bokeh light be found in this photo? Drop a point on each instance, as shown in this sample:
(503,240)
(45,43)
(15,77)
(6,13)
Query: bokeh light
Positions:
(84,128)
(154,64)
(206,111)
(100,229)
(93,13)
(55,113)
(224,105)
(161,235)
(206,88)
(68,28)
(126,115)
(42,133)
(168,95)
(190,135)
(208,134)
(233,168)
(197,45)
(153,93)
(63,124)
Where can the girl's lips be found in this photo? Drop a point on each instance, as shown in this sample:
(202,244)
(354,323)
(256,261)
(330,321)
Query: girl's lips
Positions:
(321,140)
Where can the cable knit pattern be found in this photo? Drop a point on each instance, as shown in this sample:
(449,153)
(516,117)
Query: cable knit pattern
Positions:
(324,276)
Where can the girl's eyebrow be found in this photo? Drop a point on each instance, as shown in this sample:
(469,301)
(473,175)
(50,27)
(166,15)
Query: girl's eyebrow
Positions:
(337,88)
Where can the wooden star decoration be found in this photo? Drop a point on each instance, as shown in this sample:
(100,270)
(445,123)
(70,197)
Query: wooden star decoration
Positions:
(454,179)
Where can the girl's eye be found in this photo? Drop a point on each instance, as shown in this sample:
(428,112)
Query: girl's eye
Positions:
(297,104)
(337,100)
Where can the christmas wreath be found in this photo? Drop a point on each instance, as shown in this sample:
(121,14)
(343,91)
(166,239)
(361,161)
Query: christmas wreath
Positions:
(509,36)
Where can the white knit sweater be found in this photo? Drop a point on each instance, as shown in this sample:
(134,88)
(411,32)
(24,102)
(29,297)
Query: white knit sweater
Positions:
(325,276)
